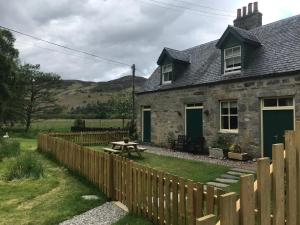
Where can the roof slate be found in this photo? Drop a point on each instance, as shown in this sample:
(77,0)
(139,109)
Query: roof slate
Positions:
(174,54)
(279,53)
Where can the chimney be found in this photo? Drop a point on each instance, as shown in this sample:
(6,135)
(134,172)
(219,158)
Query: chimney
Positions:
(249,20)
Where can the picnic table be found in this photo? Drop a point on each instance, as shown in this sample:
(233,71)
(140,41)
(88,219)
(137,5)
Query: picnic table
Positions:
(121,147)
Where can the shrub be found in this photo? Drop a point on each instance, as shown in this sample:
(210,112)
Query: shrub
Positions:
(26,165)
(9,148)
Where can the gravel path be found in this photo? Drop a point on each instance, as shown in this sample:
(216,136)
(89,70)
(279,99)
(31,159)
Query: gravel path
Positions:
(106,214)
(203,158)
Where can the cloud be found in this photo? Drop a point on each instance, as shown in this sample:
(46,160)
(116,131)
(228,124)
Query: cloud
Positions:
(130,31)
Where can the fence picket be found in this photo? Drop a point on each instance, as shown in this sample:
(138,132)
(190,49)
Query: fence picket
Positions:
(247,200)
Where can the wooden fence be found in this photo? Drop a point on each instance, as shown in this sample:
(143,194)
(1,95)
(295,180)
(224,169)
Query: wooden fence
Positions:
(161,197)
(92,138)
(274,198)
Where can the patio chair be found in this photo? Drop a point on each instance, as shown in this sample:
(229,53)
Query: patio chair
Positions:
(198,147)
(181,143)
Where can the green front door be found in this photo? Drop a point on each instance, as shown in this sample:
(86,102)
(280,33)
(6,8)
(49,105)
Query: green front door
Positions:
(194,124)
(147,126)
(275,123)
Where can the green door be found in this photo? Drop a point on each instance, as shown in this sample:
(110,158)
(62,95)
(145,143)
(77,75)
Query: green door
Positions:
(194,124)
(147,126)
(275,123)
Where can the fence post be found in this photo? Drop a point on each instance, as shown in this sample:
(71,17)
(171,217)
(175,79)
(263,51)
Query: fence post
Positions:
(247,216)
(207,220)
(110,176)
(298,169)
(228,214)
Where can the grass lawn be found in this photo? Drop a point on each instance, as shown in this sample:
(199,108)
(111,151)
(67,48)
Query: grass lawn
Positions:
(189,169)
(49,200)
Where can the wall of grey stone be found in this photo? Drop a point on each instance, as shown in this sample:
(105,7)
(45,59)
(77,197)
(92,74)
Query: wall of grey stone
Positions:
(168,108)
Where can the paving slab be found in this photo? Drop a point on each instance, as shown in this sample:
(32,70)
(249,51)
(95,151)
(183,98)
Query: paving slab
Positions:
(226,181)
(216,184)
(242,170)
(230,176)
(235,173)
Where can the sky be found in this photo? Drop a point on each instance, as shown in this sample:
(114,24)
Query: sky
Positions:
(127,31)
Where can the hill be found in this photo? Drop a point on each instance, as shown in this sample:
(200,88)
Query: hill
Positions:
(74,93)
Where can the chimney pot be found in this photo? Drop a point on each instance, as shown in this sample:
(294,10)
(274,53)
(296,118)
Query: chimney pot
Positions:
(244,11)
(255,9)
(239,13)
(249,8)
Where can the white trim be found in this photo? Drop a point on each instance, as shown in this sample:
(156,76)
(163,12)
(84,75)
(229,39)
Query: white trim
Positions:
(228,131)
(163,73)
(191,107)
(234,68)
(275,108)
(224,131)
(144,110)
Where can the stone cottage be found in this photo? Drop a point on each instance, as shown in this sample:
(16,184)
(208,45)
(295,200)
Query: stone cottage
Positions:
(247,83)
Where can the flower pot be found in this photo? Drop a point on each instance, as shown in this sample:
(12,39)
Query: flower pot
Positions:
(216,153)
(238,156)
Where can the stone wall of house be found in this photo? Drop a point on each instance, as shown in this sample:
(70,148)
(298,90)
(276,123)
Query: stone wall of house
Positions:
(168,108)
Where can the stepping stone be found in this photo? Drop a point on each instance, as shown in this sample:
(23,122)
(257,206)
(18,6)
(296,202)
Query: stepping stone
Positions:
(226,181)
(230,176)
(218,185)
(242,170)
(235,173)
(90,197)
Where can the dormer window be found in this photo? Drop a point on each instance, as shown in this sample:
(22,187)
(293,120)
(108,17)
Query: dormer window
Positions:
(232,59)
(167,73)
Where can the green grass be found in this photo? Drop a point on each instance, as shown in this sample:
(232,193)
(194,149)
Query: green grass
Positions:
(189,169)
(49,200)
(130,219)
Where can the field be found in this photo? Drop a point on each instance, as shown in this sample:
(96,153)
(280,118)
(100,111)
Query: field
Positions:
(65,124)
(48,200)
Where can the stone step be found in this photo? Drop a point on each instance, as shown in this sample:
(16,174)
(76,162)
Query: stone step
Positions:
(226,181)
(235,173)
(230,176)
(242,170)
(218,185)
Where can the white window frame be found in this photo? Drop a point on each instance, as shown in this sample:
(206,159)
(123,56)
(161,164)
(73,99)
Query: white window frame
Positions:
(168,72)
(234,69)
(229,130)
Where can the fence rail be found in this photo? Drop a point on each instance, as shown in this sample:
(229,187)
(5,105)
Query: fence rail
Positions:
(274,198)
(161,197)
(92,138)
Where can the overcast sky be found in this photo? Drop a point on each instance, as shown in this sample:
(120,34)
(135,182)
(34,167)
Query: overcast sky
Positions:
(130,31)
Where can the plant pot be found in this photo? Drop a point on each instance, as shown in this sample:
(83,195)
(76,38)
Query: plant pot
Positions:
(238,156)
(216,153)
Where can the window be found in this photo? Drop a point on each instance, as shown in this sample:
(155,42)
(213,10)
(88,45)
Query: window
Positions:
(232,59)
(229,116)
(167,73)
(278,102)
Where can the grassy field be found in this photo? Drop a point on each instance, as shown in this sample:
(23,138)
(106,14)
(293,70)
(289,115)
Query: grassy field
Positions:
(49,200)
(189,169)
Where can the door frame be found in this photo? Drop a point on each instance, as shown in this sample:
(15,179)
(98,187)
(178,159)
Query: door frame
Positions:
(145,108)
(196,106)
(276,108)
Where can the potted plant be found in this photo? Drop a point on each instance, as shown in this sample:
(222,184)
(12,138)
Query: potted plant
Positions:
(220,147)
(171,140)
(126,139)
(235,152)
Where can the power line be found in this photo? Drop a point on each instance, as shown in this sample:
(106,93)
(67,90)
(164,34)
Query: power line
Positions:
(65,47)
(183,8)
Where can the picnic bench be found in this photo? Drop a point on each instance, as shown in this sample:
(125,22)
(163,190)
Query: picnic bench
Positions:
(121,147)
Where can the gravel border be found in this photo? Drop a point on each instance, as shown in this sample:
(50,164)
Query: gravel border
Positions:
(249,165)
(106,214)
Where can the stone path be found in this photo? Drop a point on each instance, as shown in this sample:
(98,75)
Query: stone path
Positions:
(106,214)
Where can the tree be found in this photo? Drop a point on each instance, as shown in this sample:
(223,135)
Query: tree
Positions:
(38,99)
(11,83)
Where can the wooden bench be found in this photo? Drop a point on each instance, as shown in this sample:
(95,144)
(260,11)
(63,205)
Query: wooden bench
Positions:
(141,149)
(110,150)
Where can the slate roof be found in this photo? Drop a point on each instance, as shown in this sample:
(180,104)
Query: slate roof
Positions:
(174,54)
(279,53)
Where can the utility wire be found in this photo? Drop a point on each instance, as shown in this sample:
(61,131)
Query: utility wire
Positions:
(65,47)
(183,8)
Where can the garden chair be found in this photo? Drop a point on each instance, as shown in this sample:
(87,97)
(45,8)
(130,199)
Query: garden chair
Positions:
(181,143)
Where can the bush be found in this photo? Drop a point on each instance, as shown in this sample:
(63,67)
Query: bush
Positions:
(26,165)
(9,148)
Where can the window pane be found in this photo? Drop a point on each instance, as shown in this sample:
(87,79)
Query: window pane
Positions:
(224,122)
(224,108)
(237,61)
(236,51)
(167,68)
(285,101)
(228,52)
(167,76)
(233,122)
(229,63)
(270,102)
(233,108)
